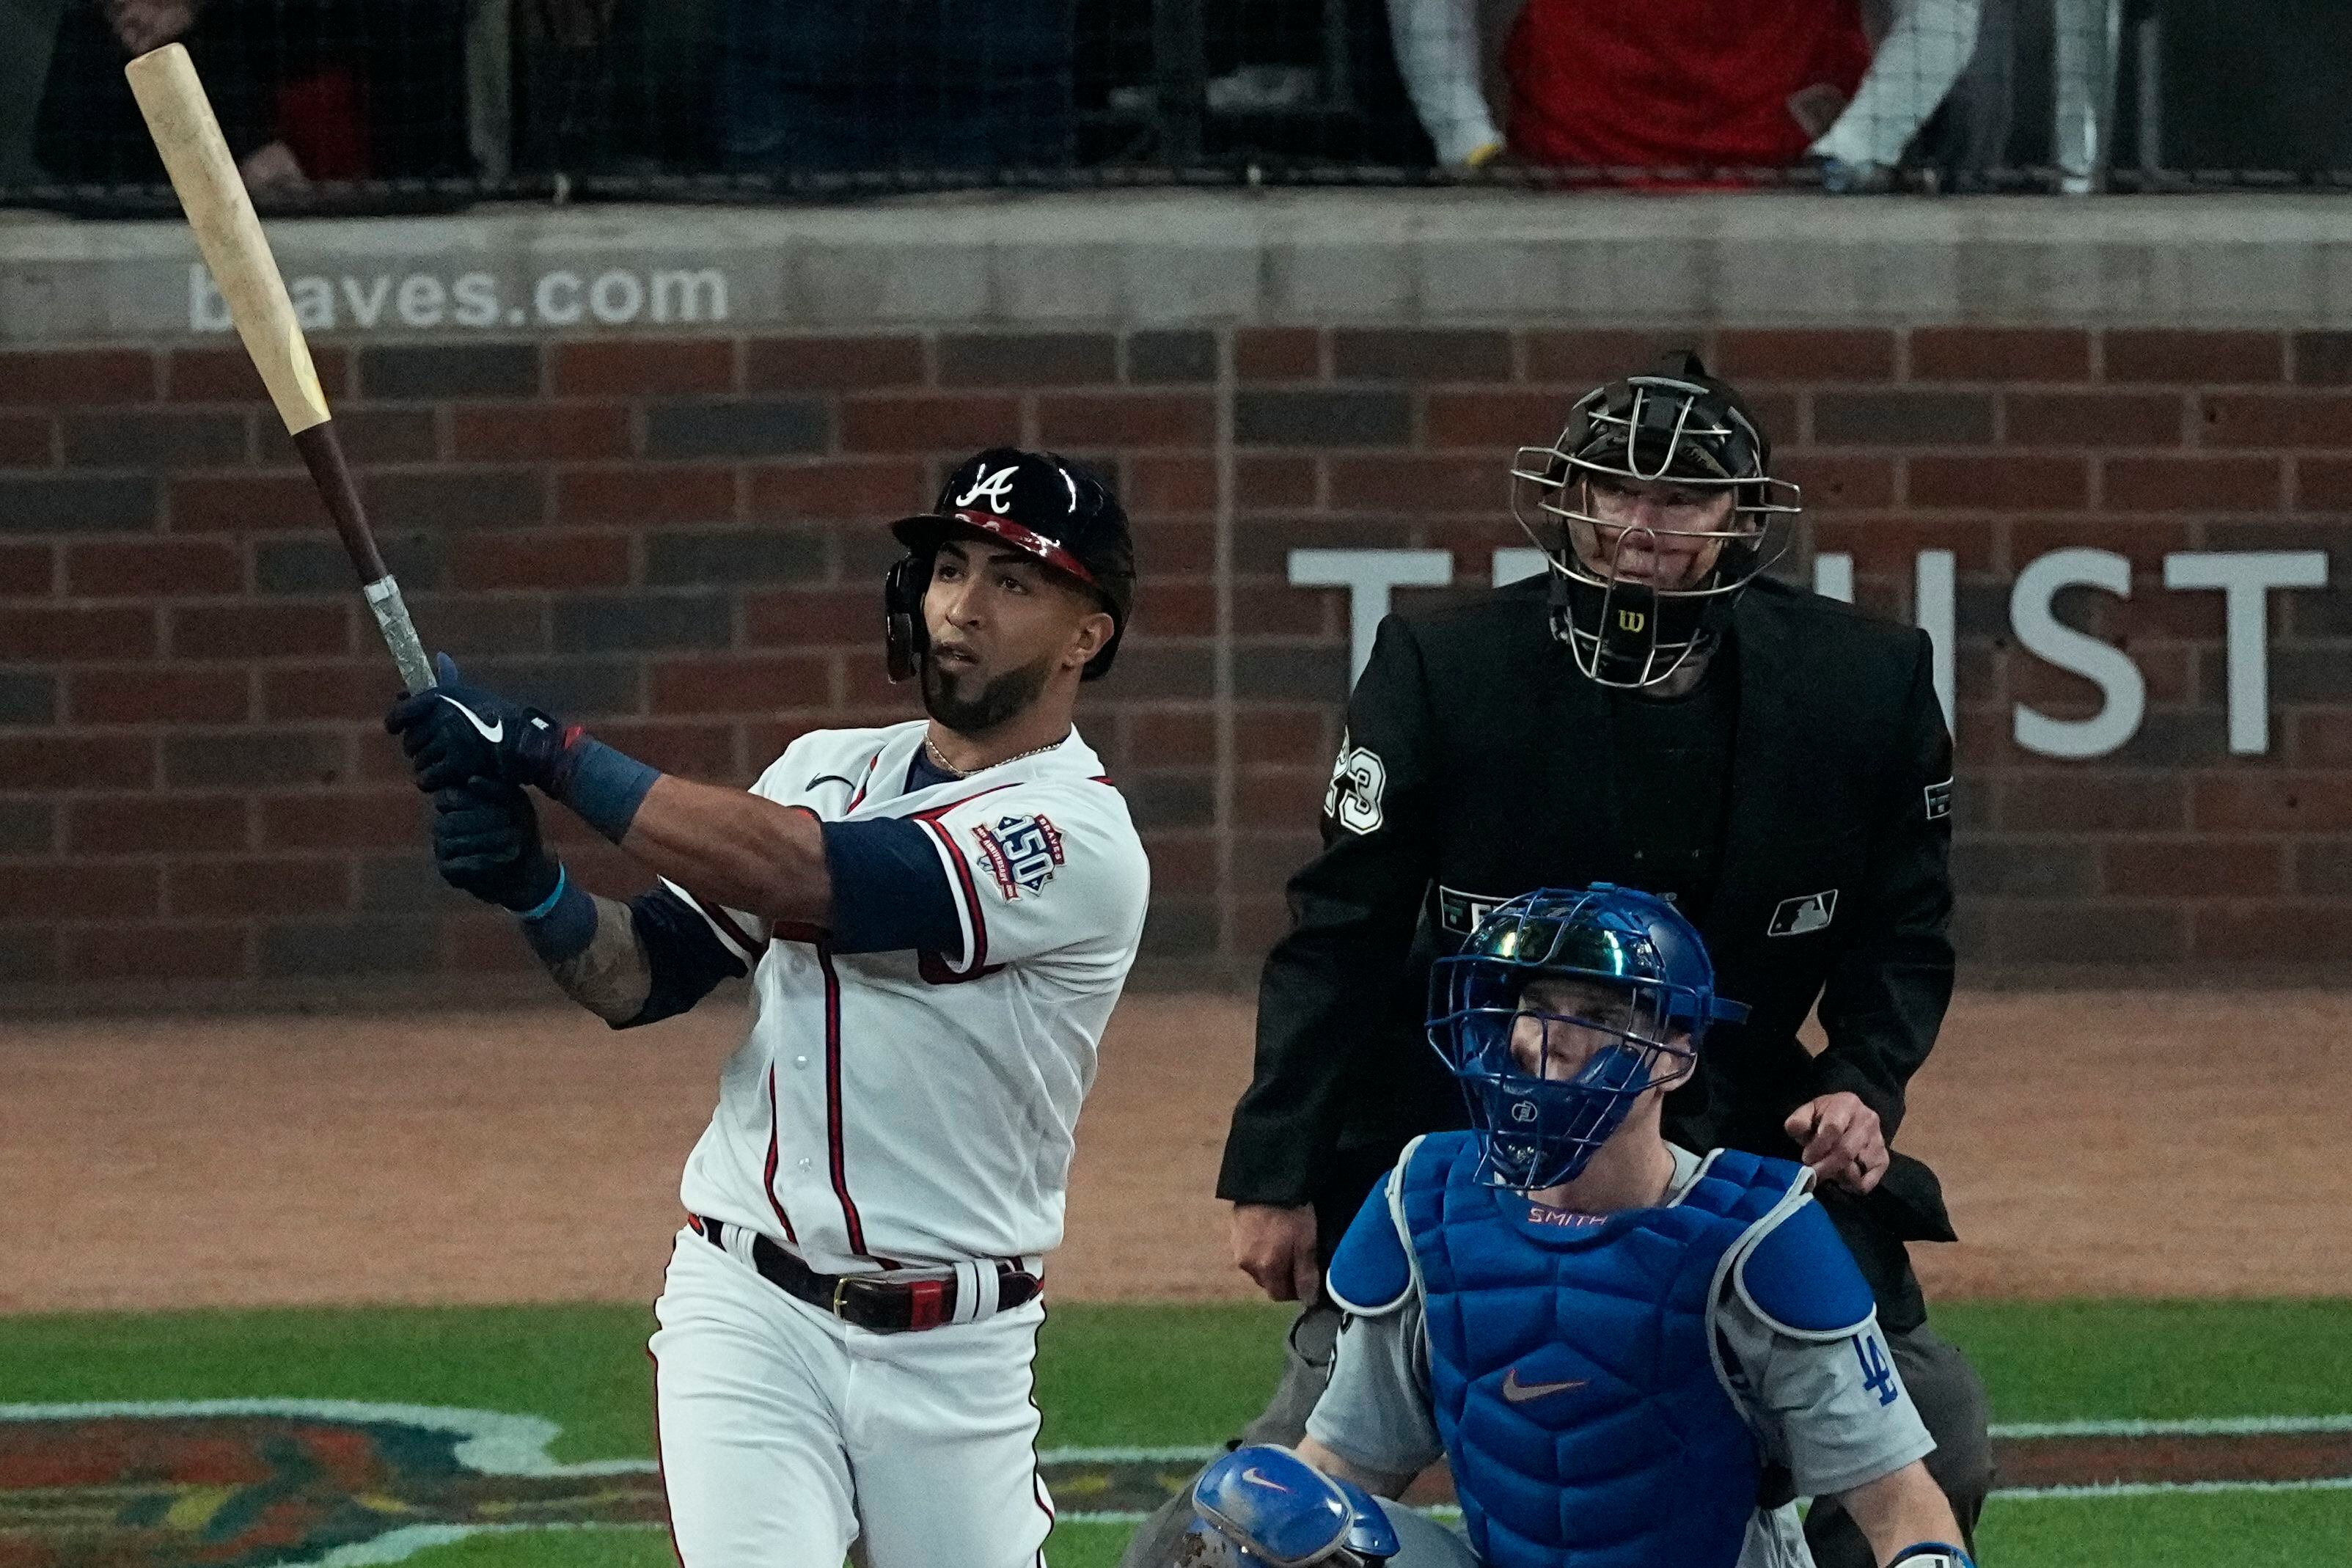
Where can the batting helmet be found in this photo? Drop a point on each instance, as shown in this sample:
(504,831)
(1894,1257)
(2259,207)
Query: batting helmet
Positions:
(1040,505)
(1648,992)
(1677,423)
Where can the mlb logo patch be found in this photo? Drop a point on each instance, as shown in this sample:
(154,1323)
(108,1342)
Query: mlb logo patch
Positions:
(1806,913)
(1021,852)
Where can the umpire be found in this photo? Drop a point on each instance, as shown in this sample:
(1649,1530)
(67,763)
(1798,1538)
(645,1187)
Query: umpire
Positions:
(1649,712)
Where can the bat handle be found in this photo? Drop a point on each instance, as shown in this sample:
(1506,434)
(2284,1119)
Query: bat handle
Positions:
(399,632)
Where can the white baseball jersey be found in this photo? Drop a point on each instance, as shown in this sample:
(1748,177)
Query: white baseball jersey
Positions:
(920,1109)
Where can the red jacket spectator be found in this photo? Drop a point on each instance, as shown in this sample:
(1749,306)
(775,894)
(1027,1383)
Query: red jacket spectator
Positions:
(1662,83)
(1685,84)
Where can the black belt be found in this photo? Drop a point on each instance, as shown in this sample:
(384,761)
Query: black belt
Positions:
(887,1304)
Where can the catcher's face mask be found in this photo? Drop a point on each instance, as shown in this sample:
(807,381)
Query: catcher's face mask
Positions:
(1562,1008)
(1654,509)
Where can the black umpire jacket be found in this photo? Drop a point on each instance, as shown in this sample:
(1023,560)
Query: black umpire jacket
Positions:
(1475,767)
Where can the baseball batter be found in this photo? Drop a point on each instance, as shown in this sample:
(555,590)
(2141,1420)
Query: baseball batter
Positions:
(936,918)
(1631,1355)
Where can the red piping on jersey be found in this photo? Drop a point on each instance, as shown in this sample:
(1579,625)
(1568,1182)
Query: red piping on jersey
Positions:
(751,943)
(858,794)
(728,927)
(969,894)
(769,1187)
(968,889)
(833,1128)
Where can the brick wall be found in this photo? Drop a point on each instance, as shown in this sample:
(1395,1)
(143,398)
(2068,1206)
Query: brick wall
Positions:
(676,541)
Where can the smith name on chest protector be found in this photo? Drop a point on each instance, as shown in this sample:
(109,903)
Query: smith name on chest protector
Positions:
(1589,1411)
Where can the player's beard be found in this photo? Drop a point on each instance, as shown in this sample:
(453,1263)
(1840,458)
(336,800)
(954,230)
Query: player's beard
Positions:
(963,702)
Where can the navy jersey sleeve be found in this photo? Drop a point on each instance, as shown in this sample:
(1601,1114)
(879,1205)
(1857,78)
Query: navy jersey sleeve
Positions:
(890,891)
(686,956)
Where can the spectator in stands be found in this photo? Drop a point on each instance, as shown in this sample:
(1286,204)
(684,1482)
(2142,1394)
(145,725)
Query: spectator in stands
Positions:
(340,90)
(28,33)
(616,87)
(1686,85)
(849,84)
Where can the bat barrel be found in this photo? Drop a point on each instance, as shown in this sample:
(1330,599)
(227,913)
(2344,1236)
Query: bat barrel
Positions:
(213,193)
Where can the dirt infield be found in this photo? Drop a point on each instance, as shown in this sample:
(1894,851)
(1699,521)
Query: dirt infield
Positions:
(2091,1143)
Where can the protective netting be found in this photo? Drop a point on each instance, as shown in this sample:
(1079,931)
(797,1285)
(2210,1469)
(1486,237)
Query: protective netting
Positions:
(377,104)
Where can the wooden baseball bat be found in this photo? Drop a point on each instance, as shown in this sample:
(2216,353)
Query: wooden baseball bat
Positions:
(212,194)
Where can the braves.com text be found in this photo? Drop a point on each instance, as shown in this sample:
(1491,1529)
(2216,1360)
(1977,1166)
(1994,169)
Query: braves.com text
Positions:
(563,297)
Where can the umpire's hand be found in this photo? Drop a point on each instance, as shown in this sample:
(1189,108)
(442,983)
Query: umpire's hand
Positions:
(1275,1246)
(1843,1140)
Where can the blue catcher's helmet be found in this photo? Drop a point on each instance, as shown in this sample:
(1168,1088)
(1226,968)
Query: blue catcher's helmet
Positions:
(1621,980)
(1262,1506)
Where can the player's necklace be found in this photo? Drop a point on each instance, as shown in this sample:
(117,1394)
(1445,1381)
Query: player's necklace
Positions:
(953,772)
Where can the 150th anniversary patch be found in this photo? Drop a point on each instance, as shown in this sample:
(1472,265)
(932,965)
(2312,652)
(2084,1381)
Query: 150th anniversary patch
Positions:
(1021,852)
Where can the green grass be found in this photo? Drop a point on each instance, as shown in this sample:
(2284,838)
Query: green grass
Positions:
(583,1367)
(1190,1374)
(2274,1530)
(1152,1375)
(2157,1360)
(555,1549)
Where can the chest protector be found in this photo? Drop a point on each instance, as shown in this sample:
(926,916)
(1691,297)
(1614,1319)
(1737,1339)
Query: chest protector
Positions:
(1573,1371)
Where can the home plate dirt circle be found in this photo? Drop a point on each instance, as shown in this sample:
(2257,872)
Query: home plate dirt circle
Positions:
(272,1484)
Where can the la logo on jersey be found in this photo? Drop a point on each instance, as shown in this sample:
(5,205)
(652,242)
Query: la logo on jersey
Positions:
(1021,852)
(997,487)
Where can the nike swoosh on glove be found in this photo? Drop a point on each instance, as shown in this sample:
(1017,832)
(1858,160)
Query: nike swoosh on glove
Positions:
(455,733)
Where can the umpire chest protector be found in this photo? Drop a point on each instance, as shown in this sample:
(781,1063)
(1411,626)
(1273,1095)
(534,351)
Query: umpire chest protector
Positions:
(1575,1375)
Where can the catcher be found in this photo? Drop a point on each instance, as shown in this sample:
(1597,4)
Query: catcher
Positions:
(1631,1355)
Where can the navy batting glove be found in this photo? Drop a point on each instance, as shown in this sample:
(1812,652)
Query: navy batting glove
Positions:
(455,733)
(485,842)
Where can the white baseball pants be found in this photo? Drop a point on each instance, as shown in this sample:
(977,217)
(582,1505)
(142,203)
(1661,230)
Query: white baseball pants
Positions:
(785,1435)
